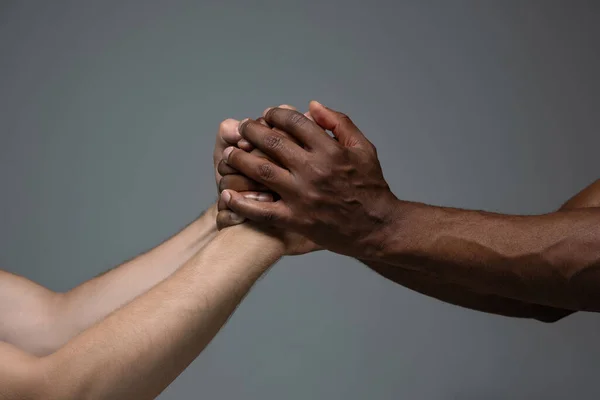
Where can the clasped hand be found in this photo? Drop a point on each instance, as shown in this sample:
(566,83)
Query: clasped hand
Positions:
(286,174)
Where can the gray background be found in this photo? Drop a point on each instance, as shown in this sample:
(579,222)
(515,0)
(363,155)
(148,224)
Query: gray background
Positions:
(108,112)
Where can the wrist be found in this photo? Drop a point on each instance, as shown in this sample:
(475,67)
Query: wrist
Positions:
(247,238)
(204,228)
(383,241)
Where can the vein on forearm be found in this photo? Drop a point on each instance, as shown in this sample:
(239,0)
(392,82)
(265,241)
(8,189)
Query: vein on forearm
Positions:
(541,259)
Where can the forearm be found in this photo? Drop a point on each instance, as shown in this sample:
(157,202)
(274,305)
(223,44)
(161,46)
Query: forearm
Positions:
(95,299)
(139,349)
(550,259)
(452,293)
(458,295)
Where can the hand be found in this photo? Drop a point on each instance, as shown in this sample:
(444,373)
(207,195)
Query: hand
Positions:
(231,179)
(228,135)
(331,191)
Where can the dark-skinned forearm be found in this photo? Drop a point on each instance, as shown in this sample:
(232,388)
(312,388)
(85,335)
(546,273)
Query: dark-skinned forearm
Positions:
(551,259)
(458,295)
(452,293)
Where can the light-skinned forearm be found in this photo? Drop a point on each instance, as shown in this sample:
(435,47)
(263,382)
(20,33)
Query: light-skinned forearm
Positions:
(549,259)
(40,321)
(139,349)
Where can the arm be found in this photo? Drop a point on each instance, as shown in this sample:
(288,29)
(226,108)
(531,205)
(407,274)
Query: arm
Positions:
(140,348)
(550,259)
(334,193)
(40,321)
(459,295)
(432,285)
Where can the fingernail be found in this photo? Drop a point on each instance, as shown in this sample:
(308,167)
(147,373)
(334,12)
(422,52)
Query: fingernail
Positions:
(319,104)
(227,153)
(226,196)
(239,127)
(244,143)
(267,111)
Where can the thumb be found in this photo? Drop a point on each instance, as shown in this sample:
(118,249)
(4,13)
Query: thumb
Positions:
(339,123)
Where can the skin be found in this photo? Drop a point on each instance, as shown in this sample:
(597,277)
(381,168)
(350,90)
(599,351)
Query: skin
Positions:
(333,193)
(131,331)
(421,282)
(137,350)
(39,321)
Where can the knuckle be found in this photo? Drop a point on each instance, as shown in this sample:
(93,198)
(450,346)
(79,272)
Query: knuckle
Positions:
(373,148)
(273,142)
(266,171)
(296,119)
(344,120)
(321,172)
(312,197)
(344,117)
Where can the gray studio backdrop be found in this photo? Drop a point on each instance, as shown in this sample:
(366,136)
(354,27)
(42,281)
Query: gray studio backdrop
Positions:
(108,112)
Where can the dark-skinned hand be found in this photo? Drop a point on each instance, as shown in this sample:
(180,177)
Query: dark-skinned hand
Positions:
(227,177)
(330,191)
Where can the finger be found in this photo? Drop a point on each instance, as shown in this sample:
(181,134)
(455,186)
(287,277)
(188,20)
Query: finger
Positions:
(240,183)
(228,131)
(297,125)
(260,170)
(224,169)
(309,116)
(340,124)
(245,145)
(227,135)
(256,196)
(284,133)
(272,144)
(227,218)
(284,106)
(275,213)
